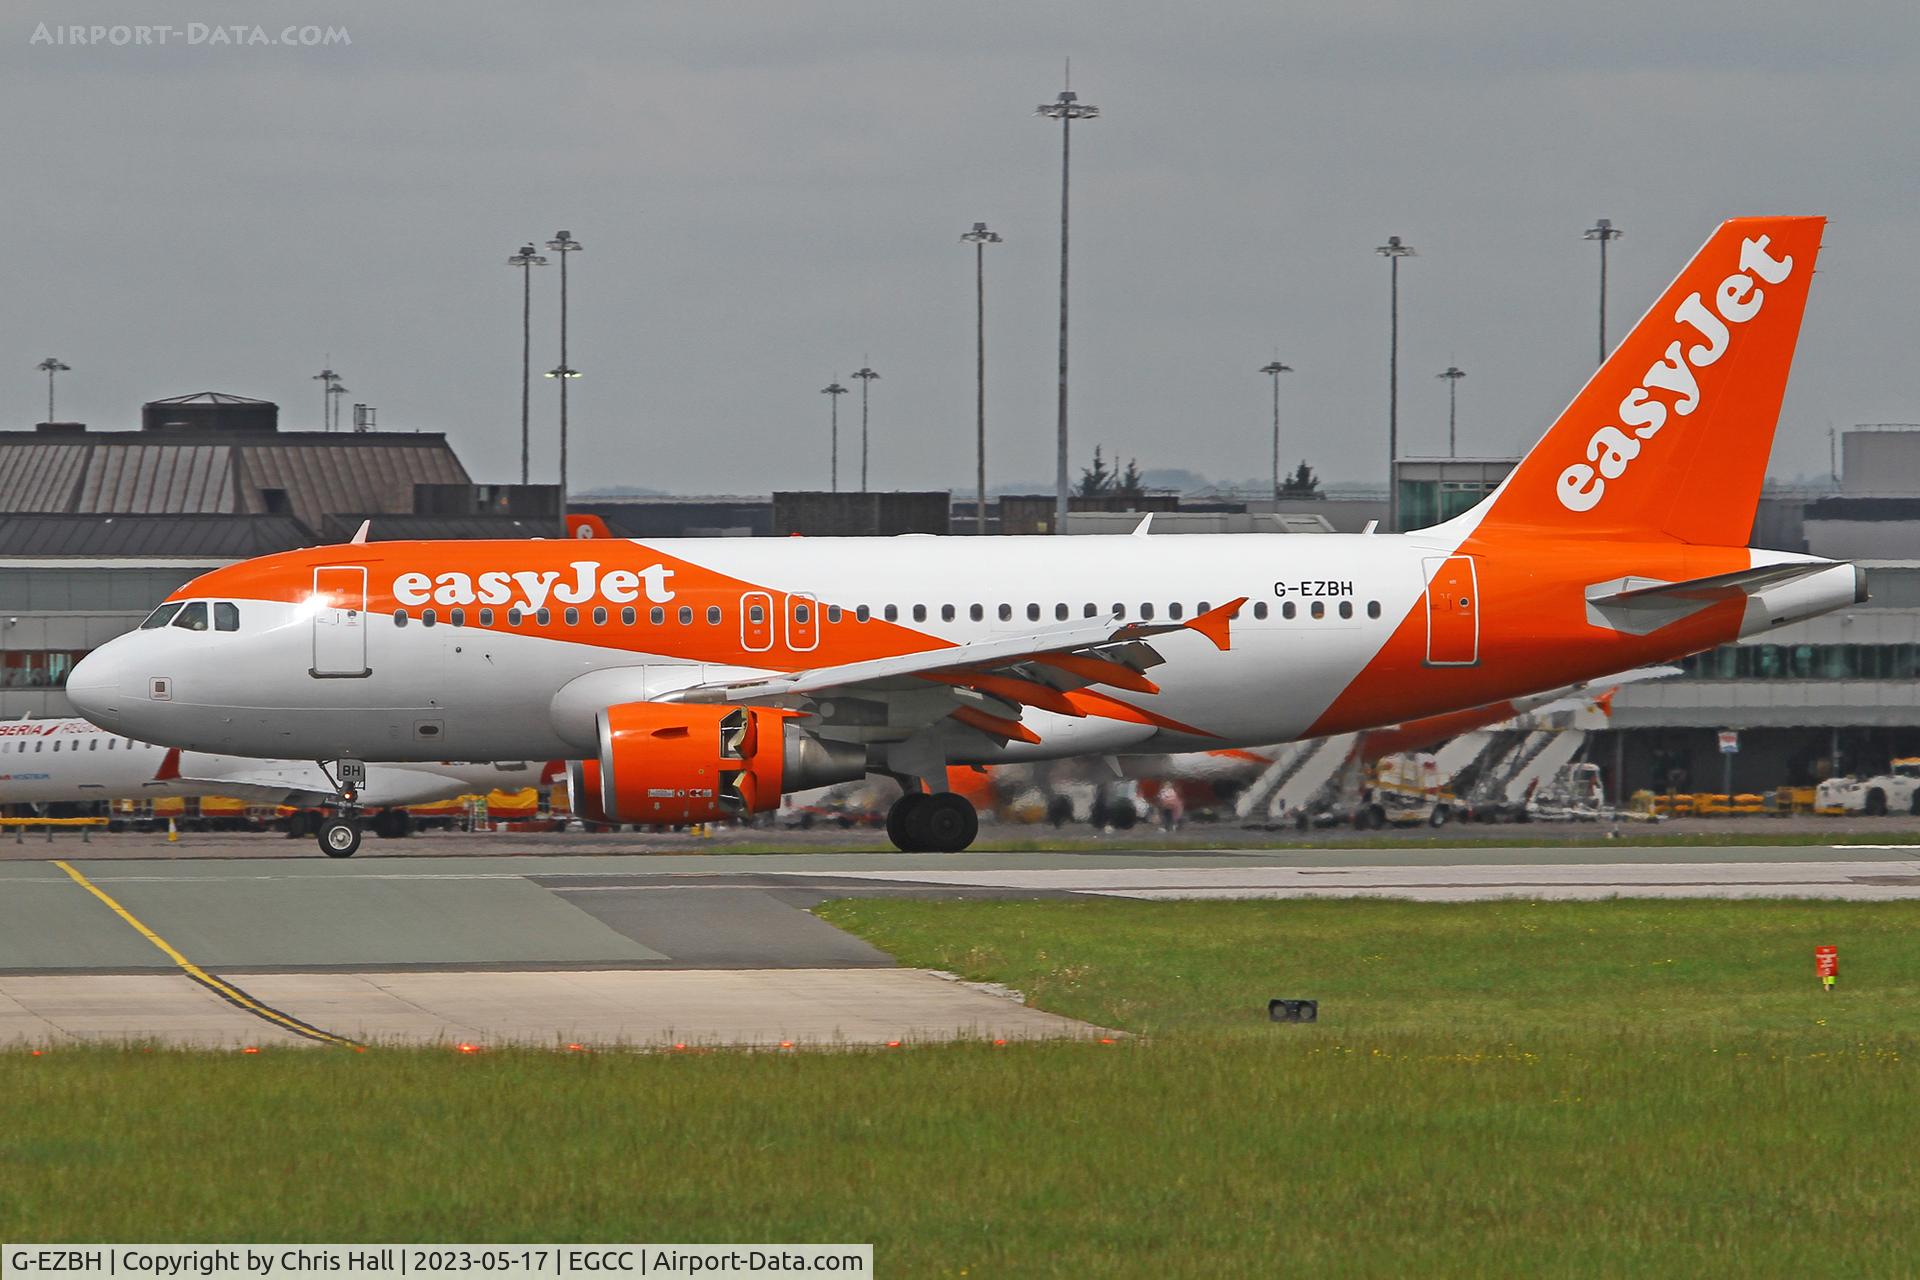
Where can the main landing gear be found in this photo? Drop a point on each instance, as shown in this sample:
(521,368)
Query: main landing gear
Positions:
(940,822)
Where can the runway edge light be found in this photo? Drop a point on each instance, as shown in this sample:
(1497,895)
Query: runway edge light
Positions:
(1293,1011)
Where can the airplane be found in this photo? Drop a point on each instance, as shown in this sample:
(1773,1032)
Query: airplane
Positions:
(694,679)
(69,760)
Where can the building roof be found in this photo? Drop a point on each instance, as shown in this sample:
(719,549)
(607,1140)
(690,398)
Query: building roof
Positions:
(150,536)
(409,527)
(210,397)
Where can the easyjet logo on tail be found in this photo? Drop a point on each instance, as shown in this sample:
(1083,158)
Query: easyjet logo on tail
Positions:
(1611,450)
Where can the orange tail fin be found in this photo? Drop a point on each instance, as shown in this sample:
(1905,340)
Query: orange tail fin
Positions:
(1669,439)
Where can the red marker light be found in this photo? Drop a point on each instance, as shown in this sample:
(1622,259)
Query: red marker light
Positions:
(252,1048)
(576,1048)
(1106,1039)
(999,1044)
(786,1044)
(464,1047)
(893,1044)
(680,1048)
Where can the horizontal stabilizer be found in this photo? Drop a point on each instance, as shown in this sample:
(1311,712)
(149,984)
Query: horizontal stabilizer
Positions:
(1639,606)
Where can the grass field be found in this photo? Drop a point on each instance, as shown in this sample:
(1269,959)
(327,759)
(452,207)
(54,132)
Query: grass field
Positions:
(1604,1089)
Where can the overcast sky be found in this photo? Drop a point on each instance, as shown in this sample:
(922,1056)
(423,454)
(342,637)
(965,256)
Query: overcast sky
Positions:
(771,192)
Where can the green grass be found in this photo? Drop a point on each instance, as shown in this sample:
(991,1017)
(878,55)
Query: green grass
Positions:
(1605,1088)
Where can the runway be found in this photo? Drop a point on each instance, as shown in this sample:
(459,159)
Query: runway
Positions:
(664,950)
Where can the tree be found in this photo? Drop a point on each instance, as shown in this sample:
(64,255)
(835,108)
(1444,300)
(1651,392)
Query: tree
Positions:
(1301,484)
(1096,479)
(1130,483)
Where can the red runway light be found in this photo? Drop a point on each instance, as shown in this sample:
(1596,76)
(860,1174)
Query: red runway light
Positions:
(893,1044)
(576,1048)
(464,1047)
(1106,1040)
(786,1044)
(680,1048)
(252,1048)
(999,1044)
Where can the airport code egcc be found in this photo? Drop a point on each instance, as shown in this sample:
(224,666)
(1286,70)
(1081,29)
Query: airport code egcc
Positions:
(381,1262)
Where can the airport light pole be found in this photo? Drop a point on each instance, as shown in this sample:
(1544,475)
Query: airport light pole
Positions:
(526,259)
(1603,230)
(833,391)
(334,393)
(1393,250)
(51,366)
(866,377)
(1274,370)
(326,377)
(1452,373)
(980,238)
(1066,109)
(563,244)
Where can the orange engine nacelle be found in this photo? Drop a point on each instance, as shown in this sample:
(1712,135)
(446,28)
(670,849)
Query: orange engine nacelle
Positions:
(669,763)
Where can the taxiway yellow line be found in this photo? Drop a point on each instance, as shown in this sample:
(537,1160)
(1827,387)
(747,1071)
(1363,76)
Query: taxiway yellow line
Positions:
(219,986)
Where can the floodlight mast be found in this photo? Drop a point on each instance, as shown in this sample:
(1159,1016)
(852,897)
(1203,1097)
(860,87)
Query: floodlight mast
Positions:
(50,366)
(1394,250)
(1452,373)
(980,237)
(526,259)
(563,244)
(1274,370)
(1603,230)
(833,390)
(1066,109)
(867,377)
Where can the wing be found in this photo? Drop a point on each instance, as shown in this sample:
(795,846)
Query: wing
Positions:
(987,683)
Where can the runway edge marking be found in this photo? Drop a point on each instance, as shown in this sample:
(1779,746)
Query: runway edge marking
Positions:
(219,986)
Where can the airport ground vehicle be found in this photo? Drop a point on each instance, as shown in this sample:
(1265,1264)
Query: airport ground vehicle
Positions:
(1895,791)
(690,679)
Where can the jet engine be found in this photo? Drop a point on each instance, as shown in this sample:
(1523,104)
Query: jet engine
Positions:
(664,763)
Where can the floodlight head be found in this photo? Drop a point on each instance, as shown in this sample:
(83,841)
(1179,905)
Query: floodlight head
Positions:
(52,365)
(563,242)
(1602,230)
(561,371)
(527,257)
(1067,107)
(980,235)
(1394,248)
(865,375)
(1276,368)
(1452,373)
(833,389)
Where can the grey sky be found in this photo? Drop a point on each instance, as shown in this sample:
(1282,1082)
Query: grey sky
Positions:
(770,193)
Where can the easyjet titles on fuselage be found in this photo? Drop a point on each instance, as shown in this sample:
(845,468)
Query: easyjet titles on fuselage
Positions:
(1610,449)
(616,586)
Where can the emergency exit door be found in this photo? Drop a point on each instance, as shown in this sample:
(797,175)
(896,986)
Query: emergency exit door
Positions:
(1453,612)
(339,622)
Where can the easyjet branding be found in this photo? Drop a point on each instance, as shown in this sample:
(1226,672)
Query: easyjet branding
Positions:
(532,591)
(1611,450)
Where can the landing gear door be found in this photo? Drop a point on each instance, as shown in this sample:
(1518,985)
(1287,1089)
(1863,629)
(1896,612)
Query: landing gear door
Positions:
(339,622)
(1453,612)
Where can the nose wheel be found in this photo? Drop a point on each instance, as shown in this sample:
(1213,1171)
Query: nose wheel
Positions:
(938,823)
(340,837)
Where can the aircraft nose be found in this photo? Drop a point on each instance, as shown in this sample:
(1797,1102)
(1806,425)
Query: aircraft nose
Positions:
(93,686)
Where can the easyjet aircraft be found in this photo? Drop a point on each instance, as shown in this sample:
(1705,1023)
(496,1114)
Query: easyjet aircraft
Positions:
(699,678)
(71,761)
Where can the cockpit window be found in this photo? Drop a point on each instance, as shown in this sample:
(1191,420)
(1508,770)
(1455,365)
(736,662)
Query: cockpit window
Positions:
(226,616)
(160,617)
(192,616)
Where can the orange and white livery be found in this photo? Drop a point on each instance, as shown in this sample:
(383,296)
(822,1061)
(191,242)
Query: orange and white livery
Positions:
(696,678)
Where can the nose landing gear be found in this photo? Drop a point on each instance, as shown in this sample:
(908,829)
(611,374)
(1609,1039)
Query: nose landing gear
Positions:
(339,832)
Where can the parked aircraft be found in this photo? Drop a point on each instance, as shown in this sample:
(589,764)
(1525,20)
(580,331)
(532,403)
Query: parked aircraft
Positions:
(694,679)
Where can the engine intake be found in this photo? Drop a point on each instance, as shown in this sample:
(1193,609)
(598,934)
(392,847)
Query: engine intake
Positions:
(672,763)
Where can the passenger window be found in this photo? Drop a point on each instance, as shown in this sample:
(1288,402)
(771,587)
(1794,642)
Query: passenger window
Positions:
(1146,613)
(833,613)
(976,612)
(599,616)
(802,614)
(919,613)
(947,613)
(458,617)
(1204,607)
(226,616)
(93,744)
(572,616)
(892,613)
(756,614)
(1060,613)
(1174,611)
(629,616)
(1119,611)
(713,615)
(1033,612)
(486,617)
(1319,608)
(160,617)
(686,615)
(1346,608)
(543,617)
(428,617)
(862,613)
(514,617)
(1091,611)
(193,616)
(657,616)
(399,617)
(1373,608)
(1260,610)
(1006,613)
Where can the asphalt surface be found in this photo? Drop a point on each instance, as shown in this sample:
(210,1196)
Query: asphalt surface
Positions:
(559,939)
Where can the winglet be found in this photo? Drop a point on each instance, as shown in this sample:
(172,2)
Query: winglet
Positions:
(360,534)
(169,769)
(1213,623)
(1144,527)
